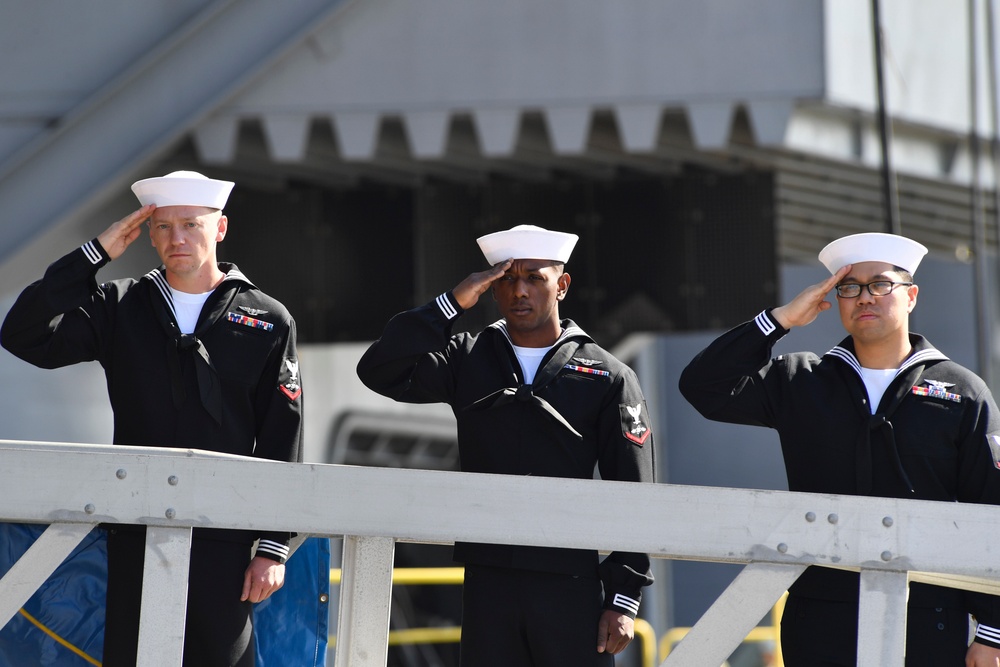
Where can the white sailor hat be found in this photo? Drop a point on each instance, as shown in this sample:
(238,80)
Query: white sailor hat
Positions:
(873,247)
(183,188)
(527,242)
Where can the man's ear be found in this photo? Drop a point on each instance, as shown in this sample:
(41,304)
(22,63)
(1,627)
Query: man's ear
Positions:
(563,282)
(223,228)
(911,293)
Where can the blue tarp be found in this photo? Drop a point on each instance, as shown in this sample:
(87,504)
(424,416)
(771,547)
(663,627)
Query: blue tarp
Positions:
(62,625)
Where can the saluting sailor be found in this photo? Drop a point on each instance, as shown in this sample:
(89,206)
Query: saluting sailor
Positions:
(533,395)
(195,357)
(884,414)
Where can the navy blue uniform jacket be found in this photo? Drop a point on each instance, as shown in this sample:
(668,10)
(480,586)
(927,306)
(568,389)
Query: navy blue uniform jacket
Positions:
(935,435)
(233,386)
(574,415)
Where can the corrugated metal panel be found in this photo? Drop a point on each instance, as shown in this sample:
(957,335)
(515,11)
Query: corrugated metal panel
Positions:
(820,201)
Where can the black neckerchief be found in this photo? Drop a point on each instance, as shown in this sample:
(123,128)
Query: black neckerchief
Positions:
(552,363)
(217,304)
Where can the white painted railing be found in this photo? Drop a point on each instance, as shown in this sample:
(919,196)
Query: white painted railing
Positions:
(892,542)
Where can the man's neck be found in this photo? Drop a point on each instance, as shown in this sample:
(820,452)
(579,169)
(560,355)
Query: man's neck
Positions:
(883,354)
(196,283)
(537,338)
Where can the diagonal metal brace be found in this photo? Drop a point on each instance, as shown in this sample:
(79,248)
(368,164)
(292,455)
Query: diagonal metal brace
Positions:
(37,564)
(733,615)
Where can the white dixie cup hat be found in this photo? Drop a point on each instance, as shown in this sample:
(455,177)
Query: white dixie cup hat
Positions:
(183,188)
(527,242)
(873,247)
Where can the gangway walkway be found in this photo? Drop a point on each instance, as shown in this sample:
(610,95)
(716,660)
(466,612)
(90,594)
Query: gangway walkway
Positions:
(777,534)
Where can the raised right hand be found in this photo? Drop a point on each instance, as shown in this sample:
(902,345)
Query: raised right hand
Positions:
(468,291)
(120,235)
(804,308)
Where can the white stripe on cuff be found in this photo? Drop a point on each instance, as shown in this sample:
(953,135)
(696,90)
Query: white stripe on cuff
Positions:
(765,324)
(988,633)
(92,253)
(626,602)
(447,309)
(276,548)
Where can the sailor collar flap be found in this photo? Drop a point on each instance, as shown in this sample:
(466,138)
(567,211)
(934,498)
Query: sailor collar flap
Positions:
(562,351)
(570,330)
(923,352)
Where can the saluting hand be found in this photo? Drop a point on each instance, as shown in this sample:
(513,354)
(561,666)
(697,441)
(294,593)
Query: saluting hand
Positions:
(120,235)
(468,291)
(804,308)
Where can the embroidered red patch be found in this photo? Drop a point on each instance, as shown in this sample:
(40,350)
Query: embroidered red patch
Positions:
(291,392)
(288,379)
(635,422)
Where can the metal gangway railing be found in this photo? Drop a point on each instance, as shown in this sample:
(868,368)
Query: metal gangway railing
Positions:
(777,534)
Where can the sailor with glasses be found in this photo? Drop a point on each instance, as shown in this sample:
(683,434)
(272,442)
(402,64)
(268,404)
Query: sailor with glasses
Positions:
(883,414)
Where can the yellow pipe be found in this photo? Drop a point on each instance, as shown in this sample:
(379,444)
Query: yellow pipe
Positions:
(647,642)
(442,635)
(448,635)
(417,575)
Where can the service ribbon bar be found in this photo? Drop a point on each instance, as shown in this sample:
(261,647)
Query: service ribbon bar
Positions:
(251,322)
(584,369)
(937,393)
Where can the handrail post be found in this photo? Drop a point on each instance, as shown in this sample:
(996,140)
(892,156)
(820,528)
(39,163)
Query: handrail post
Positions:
(365,598)
(882,619)
(164,596)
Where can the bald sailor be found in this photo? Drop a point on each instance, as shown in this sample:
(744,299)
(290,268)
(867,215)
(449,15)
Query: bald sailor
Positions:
(533,395)
(883,413)
(195,356)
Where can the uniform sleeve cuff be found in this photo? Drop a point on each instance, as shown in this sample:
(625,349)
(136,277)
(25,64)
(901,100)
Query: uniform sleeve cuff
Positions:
(988,635)
(273,550)
(95,252)
(623,604)
(767,324)
(448,306)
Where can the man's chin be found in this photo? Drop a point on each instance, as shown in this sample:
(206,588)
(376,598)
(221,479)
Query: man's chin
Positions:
(519,320)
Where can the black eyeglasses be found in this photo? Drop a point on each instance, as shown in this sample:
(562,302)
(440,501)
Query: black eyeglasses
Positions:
(877,288)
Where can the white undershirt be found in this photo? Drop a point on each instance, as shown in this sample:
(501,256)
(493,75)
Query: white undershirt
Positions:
(187,308)
(877,380)
(530,358)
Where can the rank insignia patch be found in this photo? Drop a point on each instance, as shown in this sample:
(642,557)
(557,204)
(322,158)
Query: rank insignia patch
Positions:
(938,389)
(251,322)
(635,422)
(288,379)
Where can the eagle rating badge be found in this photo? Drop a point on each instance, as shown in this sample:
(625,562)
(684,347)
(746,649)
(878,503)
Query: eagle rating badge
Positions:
(635,422)
(288,379)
